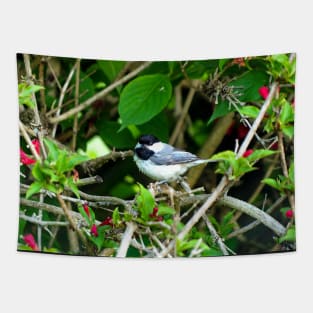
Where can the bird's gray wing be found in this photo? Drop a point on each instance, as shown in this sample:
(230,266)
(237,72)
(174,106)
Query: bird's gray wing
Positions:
(170,155)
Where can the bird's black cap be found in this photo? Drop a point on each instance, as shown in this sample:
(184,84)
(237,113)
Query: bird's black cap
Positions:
(148,140)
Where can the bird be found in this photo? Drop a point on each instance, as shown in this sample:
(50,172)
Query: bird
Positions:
(161,161)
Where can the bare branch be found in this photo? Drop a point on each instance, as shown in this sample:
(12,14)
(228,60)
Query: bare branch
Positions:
(126,240)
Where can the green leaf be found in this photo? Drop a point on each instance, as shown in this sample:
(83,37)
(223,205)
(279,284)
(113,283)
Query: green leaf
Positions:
(35,187)
(37,172)
(248,85)
(145,202)
(111,68)
(164,210)
(272,182)
(241,166)
(143,98)
(222,63)
(289,236)
(71,184)
(286,113)
(86,87)
(259,154)
(61,163)
(249,111)
(53,153)
(25,94)
(52,188)
(110,135)
(221,109)
(224,155)
(288,130)
(116,217)
(75,159)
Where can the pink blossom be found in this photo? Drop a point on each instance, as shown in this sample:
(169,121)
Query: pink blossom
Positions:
(25,159)
(30,241)
(94,230)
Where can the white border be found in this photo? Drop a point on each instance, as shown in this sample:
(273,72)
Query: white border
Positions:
(137,30)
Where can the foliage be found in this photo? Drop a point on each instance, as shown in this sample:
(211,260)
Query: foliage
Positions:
(93,140)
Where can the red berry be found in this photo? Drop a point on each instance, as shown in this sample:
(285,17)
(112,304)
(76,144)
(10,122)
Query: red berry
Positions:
(289,214)
(264,91)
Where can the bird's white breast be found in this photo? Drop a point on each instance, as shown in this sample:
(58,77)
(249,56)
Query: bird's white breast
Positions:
(160,172)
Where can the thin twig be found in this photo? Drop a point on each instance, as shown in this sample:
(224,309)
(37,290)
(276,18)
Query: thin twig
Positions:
(62,95)
(99,95)
(37,221)
(69,217)
(29,142)
(252,225)
(29,76)
(126,240)
(178,127)
(215,235)
(75,123)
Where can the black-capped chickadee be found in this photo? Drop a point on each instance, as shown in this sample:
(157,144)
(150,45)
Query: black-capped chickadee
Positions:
(161,161)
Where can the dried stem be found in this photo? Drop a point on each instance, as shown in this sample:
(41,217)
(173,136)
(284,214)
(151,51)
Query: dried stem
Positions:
(178,127)
(126,240)
(29,76)
(215,235)
(75,123)
(62,95)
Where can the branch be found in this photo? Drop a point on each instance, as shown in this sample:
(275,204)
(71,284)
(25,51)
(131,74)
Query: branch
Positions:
(126,240)
(215,235)
(29,142)
(94,164)
(37,221)
(62,95)
(29,76)
(99,95)
(257,222)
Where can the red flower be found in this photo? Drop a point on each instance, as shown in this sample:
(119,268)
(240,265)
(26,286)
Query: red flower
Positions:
(30,241)
(107,221)
(289,214)
(155,212)
(264,91)
(86,209)
(94,230)
(154,215)
(239,61)
(25,159)
(242,131)
(36,145)
(247,153)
